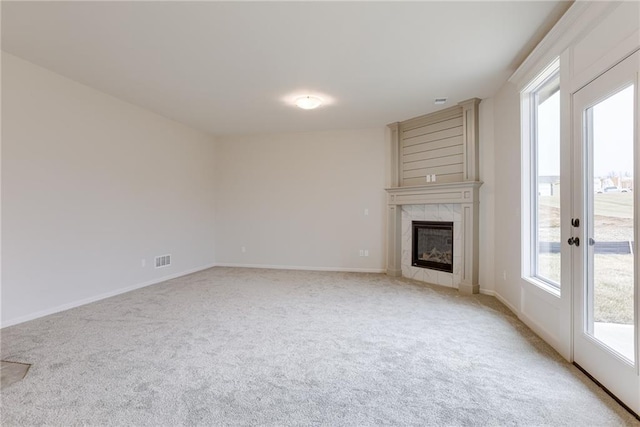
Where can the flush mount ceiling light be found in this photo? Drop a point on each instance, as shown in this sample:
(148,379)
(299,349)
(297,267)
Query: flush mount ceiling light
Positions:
(308,102)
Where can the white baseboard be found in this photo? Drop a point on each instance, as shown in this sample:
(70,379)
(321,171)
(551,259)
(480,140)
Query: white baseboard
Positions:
(305,268)
(549,337)
(489,292)
(540,330)
(506,303)
(99,297)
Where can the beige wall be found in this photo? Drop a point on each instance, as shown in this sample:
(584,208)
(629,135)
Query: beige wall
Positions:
(298,200)
(91,186)
(486,275)
(540,310)
(507,193)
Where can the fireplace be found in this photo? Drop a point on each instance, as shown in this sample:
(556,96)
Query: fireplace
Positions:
(415,195)
(432,245)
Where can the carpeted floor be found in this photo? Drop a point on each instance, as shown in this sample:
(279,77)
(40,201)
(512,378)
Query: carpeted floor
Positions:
(266,347)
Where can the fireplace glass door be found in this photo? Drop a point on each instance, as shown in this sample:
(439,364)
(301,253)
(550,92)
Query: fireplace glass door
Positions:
(432,245)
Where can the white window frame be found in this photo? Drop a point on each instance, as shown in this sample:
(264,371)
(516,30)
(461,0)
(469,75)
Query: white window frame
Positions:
(529,230)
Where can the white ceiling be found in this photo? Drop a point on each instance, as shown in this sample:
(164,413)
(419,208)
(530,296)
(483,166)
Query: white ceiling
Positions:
(228,67)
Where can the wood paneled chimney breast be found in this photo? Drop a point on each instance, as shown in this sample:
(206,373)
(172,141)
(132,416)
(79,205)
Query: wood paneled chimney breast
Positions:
(435,162)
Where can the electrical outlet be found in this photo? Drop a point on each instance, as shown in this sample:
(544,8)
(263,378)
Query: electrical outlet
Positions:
(366,252)
(433,178)
(243,249)
(366,212)
(361,252)
(428,178)
(143,262)
(504,275)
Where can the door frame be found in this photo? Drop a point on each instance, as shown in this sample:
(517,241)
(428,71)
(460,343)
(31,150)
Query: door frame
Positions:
(629,394)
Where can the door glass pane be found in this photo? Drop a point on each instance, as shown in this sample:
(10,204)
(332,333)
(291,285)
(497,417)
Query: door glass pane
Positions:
(610,246)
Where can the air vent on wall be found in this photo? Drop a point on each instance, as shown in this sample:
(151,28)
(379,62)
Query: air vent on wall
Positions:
(440,101)
(163,261)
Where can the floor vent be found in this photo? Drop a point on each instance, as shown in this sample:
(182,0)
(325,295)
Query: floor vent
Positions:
(163,261)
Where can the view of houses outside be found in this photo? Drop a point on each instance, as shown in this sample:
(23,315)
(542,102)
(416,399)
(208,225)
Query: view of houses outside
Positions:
(612,126)
(548,212)
(612,204)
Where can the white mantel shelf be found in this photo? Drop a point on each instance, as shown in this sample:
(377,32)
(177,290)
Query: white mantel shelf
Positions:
(456,192)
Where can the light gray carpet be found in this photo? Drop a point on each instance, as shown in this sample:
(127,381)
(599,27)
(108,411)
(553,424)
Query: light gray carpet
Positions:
(265,347)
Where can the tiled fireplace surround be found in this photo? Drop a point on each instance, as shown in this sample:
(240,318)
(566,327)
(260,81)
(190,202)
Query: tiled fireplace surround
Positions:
(457,202)
(436,212)
(450,201)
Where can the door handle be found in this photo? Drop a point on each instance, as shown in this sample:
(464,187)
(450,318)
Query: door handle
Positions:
(591,242)
(574,241)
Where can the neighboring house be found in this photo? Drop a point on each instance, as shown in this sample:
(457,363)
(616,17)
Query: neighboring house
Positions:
(548,185)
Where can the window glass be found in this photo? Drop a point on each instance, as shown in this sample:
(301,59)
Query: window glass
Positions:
(541,178)
(546,194)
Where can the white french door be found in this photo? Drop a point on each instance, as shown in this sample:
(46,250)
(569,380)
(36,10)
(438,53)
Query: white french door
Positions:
(605,230)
